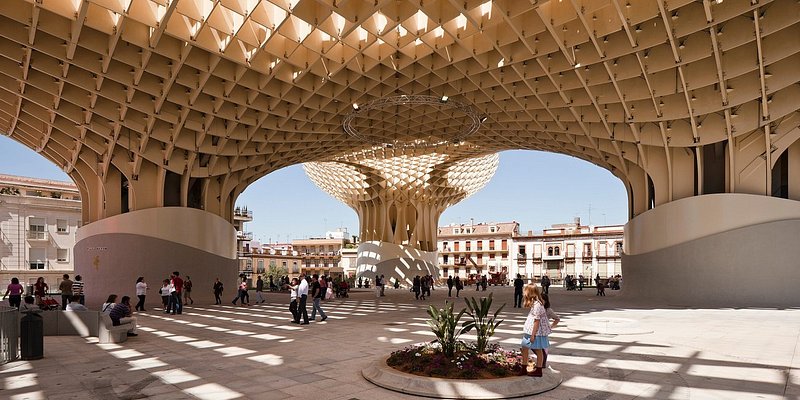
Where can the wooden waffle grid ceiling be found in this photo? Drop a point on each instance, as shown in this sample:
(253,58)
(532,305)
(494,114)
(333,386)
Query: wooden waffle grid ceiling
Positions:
(239,88)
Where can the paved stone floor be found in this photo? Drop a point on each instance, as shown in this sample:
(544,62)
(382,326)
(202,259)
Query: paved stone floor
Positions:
(227,352)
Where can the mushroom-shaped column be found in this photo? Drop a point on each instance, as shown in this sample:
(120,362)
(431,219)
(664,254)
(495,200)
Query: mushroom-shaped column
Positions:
(398,201)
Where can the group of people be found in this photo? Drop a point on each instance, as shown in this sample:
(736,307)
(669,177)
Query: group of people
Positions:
(67,287)
(175,292)
(421,286)
(454,283)
(299,289)
(573,283)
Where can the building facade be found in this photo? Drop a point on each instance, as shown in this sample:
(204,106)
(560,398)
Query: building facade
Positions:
(569,249)
(558,251)
(38,221)
(244,239)
(483,248)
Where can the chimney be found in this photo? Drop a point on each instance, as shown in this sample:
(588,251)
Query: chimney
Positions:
(577,221)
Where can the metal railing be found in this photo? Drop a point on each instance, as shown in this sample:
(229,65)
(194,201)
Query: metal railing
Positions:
(9,334)
(37,235)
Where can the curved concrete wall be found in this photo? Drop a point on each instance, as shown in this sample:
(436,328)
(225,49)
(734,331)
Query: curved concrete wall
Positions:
(707,251)
(187,226)
(695,217)
(394,261)
(111,253)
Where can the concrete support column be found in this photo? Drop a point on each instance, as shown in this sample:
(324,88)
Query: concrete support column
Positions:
(794,170)
(720,249)
(113,252)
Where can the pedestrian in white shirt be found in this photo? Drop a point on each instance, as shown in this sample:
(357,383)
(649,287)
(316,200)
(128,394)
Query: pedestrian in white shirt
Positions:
(141,292)
(302,293)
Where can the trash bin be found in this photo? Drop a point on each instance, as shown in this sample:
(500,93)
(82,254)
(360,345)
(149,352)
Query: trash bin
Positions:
(31,336)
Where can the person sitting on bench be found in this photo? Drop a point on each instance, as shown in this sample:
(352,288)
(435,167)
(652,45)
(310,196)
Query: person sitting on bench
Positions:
(121,314)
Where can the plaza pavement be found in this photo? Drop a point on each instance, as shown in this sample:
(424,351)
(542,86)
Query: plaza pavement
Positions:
(227,352)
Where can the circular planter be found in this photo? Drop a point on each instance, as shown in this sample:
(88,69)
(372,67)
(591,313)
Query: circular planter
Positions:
(379,373)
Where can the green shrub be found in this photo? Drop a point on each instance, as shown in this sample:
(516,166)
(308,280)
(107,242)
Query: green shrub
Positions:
(444,324)
(483,324)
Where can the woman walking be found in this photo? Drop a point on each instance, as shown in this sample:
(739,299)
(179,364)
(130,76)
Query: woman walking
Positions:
(39,290)
(187,291)
(141,292)
(15,289)
(217,291)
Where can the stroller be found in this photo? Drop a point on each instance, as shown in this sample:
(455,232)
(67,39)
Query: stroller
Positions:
(341,290)
(48,304)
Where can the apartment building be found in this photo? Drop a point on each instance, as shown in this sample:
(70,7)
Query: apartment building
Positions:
(563,249)
(569,249)
(482,248)
(38,221)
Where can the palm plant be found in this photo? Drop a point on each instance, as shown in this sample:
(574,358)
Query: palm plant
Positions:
(444,324)
(483,324)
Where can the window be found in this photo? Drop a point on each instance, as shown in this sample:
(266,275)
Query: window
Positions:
(62,255)
(62,226)
(444,246)
(492,229)
(557,250)
(260,269)
(444,259)
(36,228)
(456,231)
(618,247)
(587,249)
(480,245)
(36,258)
(504,245)
(491,256)
(455,246)
(480,259)
(521,250)
(550,251)
(468,246)
(283,264)
(491,244)
(294,267)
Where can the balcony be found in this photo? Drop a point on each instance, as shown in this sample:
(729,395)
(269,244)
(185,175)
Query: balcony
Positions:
(37,236)
(242,214)
(244,235)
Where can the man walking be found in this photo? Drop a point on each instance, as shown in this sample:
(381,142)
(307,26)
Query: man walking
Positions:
(260,290)
(449,286)
(518,285)
(66,291)
(177,303)
(316,293)
(302,293)
(580,282)
(546,284)
(77,289)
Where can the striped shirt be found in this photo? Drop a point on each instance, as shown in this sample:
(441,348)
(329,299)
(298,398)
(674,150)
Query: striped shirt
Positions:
(77,288)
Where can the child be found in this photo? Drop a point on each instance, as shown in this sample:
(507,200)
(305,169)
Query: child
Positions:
(166,291)
(536,326)
(551,315)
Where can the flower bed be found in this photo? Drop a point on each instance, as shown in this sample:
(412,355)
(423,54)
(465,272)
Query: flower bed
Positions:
(427,359)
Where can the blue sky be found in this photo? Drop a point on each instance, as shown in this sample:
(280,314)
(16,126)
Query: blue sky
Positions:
(536,189)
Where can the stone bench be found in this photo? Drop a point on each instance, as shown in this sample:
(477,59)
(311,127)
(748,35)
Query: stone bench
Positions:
(83,324)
